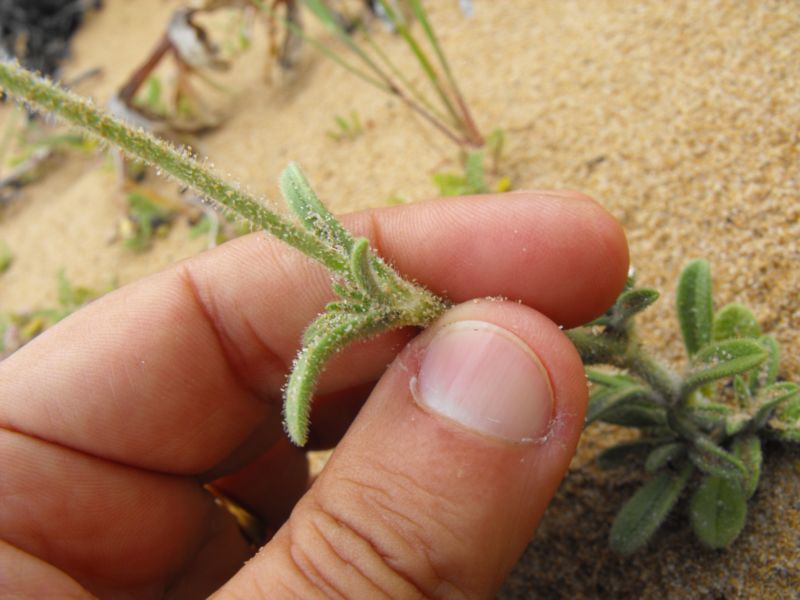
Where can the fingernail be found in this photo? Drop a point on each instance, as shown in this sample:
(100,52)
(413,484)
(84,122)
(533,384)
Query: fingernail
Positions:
(488,380)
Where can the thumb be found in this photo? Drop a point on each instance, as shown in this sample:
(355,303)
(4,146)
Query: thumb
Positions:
(441,480)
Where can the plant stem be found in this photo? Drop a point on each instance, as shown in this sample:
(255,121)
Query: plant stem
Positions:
(662,379)
(75,110)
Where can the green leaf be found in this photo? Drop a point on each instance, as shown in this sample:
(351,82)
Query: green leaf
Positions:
(723,359)
(450,184)
(304,203)
(472,181)
(623,454)
(663,455)
(741,391)
(734,321)
(644,513)
(473,173)
(631,303)
(714,460)
(636,414)
(593,349)
(608,379)
(767,373)
(770,398)
(361,269)
(694,305)
(326,335)
(747,448)
(710,415)
(736,422)
(785,424)
(718,511)
(607,400)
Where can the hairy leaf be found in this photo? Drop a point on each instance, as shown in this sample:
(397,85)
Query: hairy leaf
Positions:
(473,172)
(636,414)
(718,511)
(663,455)
(710,415)
(736,422)
(741,391)
(694,305)
(608,379)
(622,454)
(304,203)
(723,359)
(331,332)
(734,321)
(785,424)
(631,303)
(767,373)
(610,398)
(361,269)
(747,448)
(714,460)
(643,514)
(770,398)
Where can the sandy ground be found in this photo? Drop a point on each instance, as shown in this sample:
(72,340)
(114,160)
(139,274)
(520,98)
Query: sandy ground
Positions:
(682,118)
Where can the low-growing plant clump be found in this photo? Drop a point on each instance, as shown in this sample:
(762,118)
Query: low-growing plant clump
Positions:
(710,420)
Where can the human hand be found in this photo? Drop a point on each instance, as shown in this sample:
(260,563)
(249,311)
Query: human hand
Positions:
(112,420)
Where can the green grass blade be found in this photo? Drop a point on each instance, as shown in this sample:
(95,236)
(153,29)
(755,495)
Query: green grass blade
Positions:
(422,16)
(424,62)
(415,93)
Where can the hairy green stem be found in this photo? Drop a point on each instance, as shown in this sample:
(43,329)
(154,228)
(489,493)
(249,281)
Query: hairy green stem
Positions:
(662,379)
(45,95)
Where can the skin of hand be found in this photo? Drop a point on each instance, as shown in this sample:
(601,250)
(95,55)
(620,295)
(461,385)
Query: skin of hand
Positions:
(111,421)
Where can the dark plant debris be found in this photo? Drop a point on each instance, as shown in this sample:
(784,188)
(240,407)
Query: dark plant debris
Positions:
(37,32)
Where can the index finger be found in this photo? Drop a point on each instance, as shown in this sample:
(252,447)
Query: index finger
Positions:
(175,372)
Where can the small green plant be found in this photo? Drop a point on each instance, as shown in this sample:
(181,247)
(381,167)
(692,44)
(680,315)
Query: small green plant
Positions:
(471,181)
(473,178)
(19,327)
(346,128)
(444,107)
(710,420)
(146,219)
